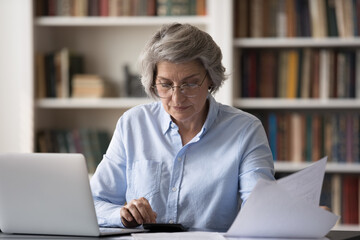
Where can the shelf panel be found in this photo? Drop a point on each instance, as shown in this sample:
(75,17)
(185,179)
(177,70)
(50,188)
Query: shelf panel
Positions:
(295,42)
(346,227)
(91,103)
(330,167)
(118,21)
(273,103)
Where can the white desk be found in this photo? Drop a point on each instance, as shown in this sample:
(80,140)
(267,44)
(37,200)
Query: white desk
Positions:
(333,235)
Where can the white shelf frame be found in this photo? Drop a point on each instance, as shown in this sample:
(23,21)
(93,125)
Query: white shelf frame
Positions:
(118,21)
(276,103)
(339,168)
(90,103)
(295,42)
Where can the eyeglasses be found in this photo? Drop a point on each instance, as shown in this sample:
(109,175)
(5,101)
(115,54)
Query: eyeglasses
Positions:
(165,90)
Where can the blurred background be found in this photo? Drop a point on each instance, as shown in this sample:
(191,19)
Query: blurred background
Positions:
(68,70)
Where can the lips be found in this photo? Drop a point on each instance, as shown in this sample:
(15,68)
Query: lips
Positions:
(180,109)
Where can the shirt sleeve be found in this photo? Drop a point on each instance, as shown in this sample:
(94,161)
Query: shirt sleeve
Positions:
(257,162)
(109,183)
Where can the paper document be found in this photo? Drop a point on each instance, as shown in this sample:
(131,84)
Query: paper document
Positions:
(287,208)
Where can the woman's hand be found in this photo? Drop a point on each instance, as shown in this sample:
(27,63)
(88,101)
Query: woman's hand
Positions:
(137,212)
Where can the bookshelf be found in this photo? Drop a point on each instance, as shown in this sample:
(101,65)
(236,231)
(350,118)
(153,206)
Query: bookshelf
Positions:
(263,27)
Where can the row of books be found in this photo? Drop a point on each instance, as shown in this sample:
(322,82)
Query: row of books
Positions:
(340,193)
(54,72)
(92,143)
(297,18)
(300,73)
(112,8)
(307,137)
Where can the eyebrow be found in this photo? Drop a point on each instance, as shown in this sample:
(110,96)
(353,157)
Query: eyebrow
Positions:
(185,78)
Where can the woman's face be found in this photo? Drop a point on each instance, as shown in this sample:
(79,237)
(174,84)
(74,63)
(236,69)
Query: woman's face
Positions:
(184,108)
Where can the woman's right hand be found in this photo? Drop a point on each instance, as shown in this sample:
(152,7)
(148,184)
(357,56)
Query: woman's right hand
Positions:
(137,212)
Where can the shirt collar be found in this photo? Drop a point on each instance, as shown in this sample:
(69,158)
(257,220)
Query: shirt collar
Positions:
(166,122)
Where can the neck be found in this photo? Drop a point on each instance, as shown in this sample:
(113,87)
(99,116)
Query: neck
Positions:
(189,129)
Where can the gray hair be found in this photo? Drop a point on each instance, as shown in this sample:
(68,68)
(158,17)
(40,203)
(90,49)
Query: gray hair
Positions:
(179,43)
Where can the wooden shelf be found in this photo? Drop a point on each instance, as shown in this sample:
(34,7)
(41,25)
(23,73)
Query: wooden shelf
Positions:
(330,167)
(295,42)
(90,103)
(118,21)
(277,103)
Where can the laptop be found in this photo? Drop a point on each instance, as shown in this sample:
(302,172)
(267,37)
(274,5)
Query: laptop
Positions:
(48,193)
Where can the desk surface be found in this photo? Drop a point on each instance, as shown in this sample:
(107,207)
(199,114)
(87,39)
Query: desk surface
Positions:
(332,235)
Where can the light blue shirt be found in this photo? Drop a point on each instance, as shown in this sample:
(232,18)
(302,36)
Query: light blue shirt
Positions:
(200,185)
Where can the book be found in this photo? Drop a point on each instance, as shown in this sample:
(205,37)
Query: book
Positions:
(89,86)
(336,193)
(267,84)
(315,74)
(306,76)
(92,143)
(340,17)
(50,75)
(357,73)
(331,18)
(40,75)
(244,66)
(241,18)
(256,18)
(350,200)
(281,20)
(103,8)
(253,74)
(292,74)
(316,137)
(177,8)
(326,192)
(357,7)
(341,75)
(296,138)
(63,7)
(318,18)
(93,8)
(200,7)
(282,74)
(324,73)
(348,18)
(332,74)
(291,18)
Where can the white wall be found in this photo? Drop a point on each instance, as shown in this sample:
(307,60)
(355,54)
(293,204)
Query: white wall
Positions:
(16,76)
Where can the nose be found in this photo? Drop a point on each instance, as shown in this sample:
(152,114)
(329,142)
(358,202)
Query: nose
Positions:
(177,95)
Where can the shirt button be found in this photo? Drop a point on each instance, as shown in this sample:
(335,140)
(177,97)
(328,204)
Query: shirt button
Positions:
(174,189)
(179,159)
(171,221)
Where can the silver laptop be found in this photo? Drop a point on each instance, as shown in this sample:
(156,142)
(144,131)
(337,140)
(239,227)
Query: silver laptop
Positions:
(48,193)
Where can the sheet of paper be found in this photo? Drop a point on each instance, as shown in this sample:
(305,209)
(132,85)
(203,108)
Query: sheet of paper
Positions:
(246,238)
(179,236)
(275,210)
(307,183)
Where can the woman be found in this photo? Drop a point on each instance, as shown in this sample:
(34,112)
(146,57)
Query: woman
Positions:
(186,158)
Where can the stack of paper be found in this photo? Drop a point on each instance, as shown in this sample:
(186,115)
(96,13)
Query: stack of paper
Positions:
(287,208)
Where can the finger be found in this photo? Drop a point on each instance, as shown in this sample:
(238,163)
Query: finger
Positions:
(124,213)
(154,216)
(134,211)
(127,224)
(150,212)
(144,209)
